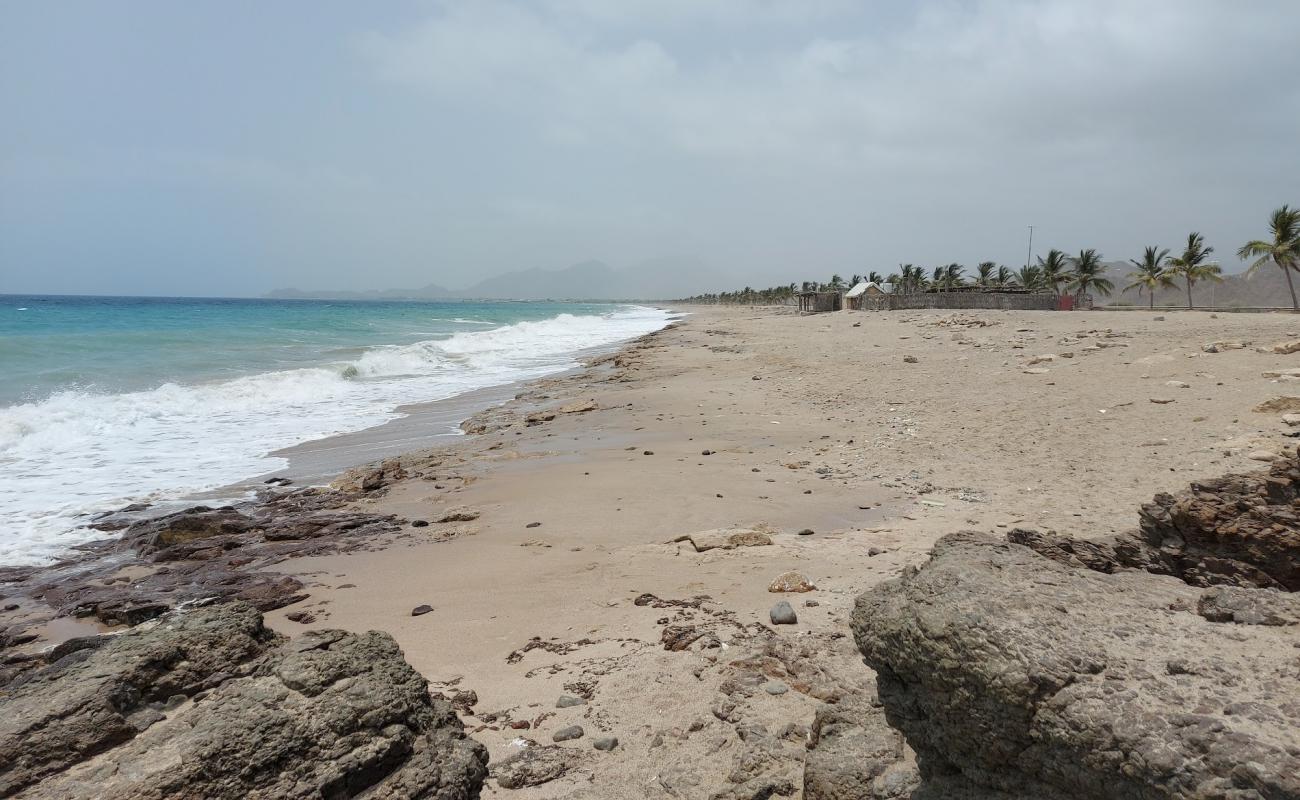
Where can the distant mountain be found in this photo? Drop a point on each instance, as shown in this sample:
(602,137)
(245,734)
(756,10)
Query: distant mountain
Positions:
(657,279)
(1266,288)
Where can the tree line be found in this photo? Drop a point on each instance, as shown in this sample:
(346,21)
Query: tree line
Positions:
(1059,273)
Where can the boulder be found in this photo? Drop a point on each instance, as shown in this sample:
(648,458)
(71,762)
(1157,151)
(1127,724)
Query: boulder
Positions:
(535,765)
(853,754)
(209,703)
(1014,675)
(1286,348)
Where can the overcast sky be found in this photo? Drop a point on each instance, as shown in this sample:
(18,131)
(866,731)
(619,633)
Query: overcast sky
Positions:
(234,147)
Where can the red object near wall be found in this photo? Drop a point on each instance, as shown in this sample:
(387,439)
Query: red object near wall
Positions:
(1065,303)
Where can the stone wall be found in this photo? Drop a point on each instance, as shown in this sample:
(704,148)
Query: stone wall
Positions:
(993,300)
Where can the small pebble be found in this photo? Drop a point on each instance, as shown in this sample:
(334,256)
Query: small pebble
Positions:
(568,734)
(568,700)
(605,743)
(806,532)
(775,687)
(420,610)
(419,523)
(533,525)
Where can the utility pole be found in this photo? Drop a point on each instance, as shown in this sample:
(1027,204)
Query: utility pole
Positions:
(1030,254)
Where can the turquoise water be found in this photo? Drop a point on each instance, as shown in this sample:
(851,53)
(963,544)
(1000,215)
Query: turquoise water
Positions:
(110,400)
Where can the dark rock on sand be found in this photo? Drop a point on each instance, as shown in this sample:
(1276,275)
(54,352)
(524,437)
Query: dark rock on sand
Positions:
(1013,673)
(329,714)
(421,610)
(605,743)
(567,701)
(783,614)
(568,734)
(853,754)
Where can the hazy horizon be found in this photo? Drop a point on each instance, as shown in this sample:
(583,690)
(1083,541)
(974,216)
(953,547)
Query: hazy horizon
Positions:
(231,149)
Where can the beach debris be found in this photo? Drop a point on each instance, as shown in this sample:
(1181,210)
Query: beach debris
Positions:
(459,514)
(1291,419)
(1161,401)
(1279,405)
(911,360)
(1262,455)
(1036,371)
(1219,347)
(1178,384)
(605,743)
(1281,373)
(783,614)
(568,734)
(791,582)
(1046,358)
(534,765)
(533,525)
(1286,348)
(806,532)
(421,610)
(726,538)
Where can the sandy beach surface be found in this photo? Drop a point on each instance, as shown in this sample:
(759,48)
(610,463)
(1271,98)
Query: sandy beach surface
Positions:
(853,440)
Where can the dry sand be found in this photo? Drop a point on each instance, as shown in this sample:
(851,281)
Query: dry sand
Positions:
(814,422)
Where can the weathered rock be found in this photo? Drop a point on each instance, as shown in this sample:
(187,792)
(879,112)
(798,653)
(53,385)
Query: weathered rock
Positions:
(1219,347)
(421,610)
(458,514)
(1249,606)
(791,582)
(1010,672)
(1286,348)
(783,614)
(370,478)
(535,765)
(568,733)
(568,701)
(853,754)
(1279,405)
(330,714)
(605,743)
(726,539)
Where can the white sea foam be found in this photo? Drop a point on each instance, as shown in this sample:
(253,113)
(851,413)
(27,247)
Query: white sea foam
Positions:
(77,453)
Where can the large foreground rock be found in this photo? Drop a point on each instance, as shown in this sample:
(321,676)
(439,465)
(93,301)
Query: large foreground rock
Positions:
(1015,675)
(209,703)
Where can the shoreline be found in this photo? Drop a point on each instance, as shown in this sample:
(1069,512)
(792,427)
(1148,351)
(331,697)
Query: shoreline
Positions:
(810,423)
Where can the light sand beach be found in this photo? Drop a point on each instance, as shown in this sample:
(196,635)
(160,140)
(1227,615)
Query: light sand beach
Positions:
(813,428)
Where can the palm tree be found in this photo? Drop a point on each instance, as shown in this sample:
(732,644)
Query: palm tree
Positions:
(836,282)
(1054,269)
(1088,274)
(1003,276)
(984,273)
(1284,250)
(1030,278)
(1150,273)
(936,278)
(874,277)
(1193,264)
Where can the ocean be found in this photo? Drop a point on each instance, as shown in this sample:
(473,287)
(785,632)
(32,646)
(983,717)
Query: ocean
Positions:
(112,400)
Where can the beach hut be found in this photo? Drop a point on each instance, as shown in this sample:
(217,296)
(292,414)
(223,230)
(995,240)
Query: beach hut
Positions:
(814,302)
(859,296)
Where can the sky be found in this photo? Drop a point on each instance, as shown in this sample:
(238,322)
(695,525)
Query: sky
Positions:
(230,148)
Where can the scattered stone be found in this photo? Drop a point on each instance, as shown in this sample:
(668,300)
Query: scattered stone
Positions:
(648,453)
(1219,347)
(605,743)
(568,701)
(568,734)
(1291,419)
(1261,455)
(810,604)
(775,688)
(806,532)
(783,614)
(1036,371)
(419,523)
(1279,405)
(1286,348)
(911,360)
(706,452)
(1178,384)
(301,617)
(791,582)
(459,514)
(533,525)
(421,610)
(1046,358)
(1160,318)
(1162,401)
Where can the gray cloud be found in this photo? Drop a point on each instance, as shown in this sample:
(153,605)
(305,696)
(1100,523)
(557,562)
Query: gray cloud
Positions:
(775,140)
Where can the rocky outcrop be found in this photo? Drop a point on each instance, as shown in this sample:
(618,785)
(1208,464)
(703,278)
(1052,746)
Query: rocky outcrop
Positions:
(853,754)
(209,703)
(1238,530)
(1015,675)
